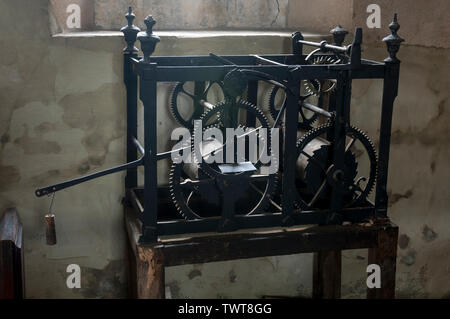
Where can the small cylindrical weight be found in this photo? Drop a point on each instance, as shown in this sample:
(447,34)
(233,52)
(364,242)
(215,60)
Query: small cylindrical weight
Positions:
(50,229)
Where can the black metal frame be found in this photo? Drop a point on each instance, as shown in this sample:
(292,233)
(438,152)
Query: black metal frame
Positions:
(145,72)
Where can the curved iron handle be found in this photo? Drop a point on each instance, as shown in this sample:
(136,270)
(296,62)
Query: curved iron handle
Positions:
(57,187)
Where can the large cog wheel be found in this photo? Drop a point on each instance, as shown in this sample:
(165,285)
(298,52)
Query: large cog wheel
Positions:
(180,90)
(320,172)
(306,120)
(209,178)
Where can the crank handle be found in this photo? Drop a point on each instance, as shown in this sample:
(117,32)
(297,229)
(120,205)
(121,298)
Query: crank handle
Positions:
(57,187)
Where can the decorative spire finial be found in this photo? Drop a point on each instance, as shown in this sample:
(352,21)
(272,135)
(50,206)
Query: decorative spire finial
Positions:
(393,41)
(149,22)
(339,34)
(130,32)
(148,39)
(130,16)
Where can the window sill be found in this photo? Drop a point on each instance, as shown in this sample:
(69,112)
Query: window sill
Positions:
(193,34)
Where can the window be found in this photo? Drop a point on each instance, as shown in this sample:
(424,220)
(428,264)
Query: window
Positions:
(88,15)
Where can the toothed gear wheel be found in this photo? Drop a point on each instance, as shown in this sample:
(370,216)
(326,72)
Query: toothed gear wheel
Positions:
(317,87)
(206,184)
(179,89)
(304,120)
(222,108)
(317,172)
(182,189)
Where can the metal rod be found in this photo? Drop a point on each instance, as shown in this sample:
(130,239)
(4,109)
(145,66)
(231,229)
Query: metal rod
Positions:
(139,146)
(206,104)
(317,109)
(57,187)
(327,47)
(280,112)
(267,60)
(221,59)
(313,52)
(270,200)
(168,154)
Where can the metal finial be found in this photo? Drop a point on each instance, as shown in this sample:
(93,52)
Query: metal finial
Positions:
(148,39)
(130,16)
(393,41)
(149,22)
(339,34)
(297,47)
(130,32)
(355,51)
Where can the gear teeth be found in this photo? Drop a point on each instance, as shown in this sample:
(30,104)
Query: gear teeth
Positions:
(173,105)
(372,157)
(188,214)
(243,104)
(365,141)
(316,60)
(310,89)
(270,101)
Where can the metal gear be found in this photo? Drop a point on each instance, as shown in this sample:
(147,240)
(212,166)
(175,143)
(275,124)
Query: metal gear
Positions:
(223,107)
(182,189)
(317,174)
(208,182)
(325,86)
(179,88)
(305,121)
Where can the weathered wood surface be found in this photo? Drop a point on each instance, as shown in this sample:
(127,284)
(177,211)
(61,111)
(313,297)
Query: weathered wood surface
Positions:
(150,273)
(11,256)
(327,269)
(327,241)
(147,279)
(385,255)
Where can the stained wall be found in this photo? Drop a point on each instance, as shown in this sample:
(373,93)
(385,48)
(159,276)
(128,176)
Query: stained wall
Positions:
(62,115)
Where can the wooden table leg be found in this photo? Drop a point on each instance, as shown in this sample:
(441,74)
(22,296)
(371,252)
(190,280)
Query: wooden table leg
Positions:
(385,255)
(327,275)
(150,273)
(11,256)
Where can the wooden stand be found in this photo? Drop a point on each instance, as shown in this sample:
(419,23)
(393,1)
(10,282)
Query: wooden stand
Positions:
(327,242)
(11,256)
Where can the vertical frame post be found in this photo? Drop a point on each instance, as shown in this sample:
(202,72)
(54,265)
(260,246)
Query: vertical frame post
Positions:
(385,256)
(252,97)
(289,151)
(147,91)
(343,99)
(150,273)
(148,98)
(355,53)
(327,275)
(130,32)
(297,48)
(11,256)
(130,79)
(390,90)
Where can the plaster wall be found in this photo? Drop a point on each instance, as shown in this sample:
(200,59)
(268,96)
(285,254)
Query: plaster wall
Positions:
(424,22)
(62,114)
